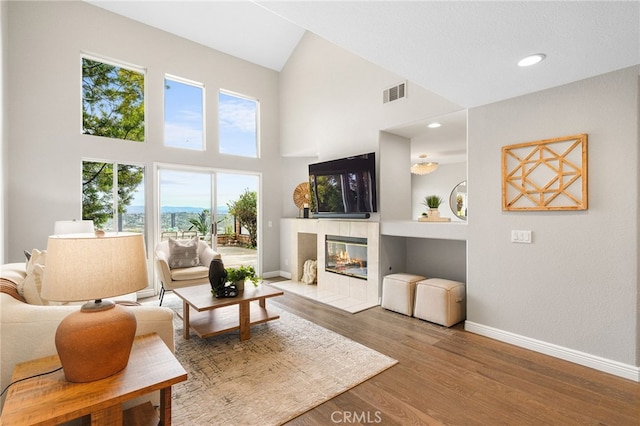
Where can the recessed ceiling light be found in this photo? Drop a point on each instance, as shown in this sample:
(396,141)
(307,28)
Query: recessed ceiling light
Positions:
(532,60)
(434,125)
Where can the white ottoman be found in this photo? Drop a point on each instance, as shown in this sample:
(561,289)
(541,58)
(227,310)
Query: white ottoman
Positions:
(440,301)
(398,292)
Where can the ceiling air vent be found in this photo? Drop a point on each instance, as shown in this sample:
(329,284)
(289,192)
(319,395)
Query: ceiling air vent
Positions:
(394,93)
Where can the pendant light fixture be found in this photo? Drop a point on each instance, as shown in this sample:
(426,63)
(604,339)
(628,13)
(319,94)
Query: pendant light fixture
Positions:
(424,167)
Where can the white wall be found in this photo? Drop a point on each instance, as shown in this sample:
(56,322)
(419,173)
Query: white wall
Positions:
(295,170)
(332,101)
(576,286)
(45,144)
(4,132)
(331,104)
(394,177)
(638,245)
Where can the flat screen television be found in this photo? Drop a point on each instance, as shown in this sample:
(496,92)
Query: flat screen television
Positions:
(345,187)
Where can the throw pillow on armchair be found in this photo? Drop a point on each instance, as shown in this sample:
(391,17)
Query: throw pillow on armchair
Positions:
(183,254)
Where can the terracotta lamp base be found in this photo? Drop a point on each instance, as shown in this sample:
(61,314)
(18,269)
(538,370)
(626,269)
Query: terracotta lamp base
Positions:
(96,341)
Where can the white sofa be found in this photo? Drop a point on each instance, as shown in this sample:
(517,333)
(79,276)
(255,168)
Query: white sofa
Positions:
(28,331)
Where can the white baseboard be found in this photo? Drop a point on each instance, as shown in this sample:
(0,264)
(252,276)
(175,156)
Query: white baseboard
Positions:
(593,361)
(285,274)
(274,274)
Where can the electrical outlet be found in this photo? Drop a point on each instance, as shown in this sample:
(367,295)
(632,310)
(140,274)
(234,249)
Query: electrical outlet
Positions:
(521,237)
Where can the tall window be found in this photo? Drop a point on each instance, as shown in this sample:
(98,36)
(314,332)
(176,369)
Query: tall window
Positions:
(112,101)
(238,123)
(114,201)
(183,114)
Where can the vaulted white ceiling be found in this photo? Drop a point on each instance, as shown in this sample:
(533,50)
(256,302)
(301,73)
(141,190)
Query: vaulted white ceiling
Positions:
(464,51)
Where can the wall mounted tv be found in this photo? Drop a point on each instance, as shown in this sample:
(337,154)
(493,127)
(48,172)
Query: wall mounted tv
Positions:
(345,187)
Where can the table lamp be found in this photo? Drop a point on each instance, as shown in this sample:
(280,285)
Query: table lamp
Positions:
(95,341)
(73,226)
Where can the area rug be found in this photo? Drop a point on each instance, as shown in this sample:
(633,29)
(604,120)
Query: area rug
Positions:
(288,367)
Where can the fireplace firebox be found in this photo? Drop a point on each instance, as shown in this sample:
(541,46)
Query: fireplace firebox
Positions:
(346,256)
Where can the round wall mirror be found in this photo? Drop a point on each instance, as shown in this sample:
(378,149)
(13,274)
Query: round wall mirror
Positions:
(458,200)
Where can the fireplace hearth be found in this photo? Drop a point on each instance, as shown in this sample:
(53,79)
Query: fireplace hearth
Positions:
(309,241)
(346,256)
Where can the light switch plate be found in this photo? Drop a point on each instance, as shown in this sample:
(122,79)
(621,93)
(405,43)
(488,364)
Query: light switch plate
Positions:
(521,237)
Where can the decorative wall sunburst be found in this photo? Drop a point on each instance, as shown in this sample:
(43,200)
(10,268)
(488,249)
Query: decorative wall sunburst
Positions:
(301,195)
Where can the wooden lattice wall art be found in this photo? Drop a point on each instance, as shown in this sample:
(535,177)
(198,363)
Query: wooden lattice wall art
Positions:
(545,175)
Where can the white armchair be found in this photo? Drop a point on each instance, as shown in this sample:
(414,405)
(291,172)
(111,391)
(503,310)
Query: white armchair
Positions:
(183,277)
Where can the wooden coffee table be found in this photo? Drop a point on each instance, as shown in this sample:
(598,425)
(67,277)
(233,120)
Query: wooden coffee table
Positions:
(216,316)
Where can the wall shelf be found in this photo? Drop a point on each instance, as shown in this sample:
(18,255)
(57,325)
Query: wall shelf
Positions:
(415,229)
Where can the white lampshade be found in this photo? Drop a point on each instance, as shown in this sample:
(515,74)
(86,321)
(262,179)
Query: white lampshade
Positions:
(73,227)
(83,267)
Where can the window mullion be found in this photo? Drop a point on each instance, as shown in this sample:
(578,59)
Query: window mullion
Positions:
(116,215)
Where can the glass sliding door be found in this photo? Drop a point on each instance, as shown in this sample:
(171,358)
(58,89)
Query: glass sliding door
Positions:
(237,218)
(187,198)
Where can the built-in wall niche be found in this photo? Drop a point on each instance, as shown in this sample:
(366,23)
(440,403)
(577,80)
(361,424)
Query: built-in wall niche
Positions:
(437,258)
(430,257)
(307,245)
(445,144)
(443,139)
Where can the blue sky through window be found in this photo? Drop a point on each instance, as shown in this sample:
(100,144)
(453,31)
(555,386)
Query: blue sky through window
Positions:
(193,189)
(231,186)
(238,118)
(185,189)
(183,115)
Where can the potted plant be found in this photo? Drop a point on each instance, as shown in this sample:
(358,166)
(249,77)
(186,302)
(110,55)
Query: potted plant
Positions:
(433,202)
(201,223)
(239,275)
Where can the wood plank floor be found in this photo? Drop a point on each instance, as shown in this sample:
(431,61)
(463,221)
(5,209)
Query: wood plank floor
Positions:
(446,376)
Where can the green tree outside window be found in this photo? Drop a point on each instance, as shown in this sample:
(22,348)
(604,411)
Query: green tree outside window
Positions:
(245,211)
(97,190)
(112,101)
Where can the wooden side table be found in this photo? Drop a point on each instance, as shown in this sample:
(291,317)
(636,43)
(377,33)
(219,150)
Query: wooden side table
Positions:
(50,399)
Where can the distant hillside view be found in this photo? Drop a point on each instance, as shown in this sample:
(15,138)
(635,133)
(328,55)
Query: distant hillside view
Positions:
(177,218)
(171,209)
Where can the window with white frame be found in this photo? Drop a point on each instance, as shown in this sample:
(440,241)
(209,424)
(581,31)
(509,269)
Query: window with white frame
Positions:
(113,196)
(238,118)
(183,114)
(112,100)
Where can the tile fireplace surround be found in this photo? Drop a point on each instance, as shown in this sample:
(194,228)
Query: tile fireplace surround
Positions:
(343,292)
